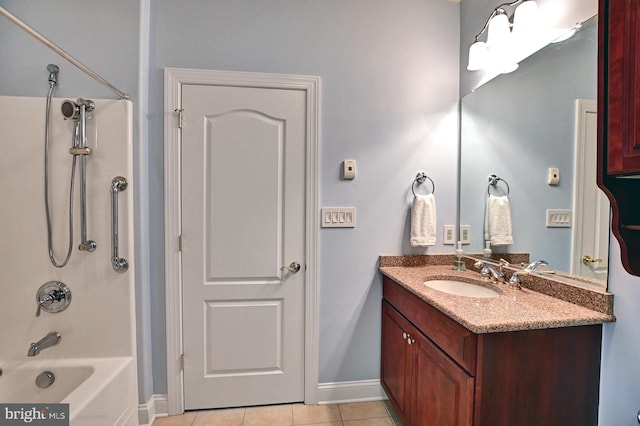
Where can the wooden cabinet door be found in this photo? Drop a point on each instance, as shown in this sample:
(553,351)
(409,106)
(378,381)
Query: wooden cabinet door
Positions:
(424,385)
(619,121)
(622,79)
(396,360)
(443,392)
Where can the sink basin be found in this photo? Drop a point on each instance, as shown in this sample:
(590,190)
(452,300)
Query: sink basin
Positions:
(460,288)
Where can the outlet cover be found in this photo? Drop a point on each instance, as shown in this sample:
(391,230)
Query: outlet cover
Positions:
(465,234)
(449,236)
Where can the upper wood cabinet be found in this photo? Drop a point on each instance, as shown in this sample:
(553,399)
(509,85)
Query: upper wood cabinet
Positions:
(619,121)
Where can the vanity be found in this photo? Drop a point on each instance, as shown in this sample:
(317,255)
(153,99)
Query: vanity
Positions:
(520,358)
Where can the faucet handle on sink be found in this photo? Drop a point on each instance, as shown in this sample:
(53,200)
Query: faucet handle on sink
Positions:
(514,281)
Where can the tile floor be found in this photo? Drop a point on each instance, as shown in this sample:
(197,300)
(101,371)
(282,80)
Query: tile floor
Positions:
(377,413)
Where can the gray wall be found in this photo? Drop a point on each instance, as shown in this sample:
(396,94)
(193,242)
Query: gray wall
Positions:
(389,101)
(620,373)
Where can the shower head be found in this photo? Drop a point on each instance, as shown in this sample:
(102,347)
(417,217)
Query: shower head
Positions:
(71,109)
(53,73)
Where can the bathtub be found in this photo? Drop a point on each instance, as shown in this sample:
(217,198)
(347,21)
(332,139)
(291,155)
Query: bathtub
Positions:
(93,388)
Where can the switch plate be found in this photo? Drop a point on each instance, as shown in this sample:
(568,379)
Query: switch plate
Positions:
(558,218)
(465,234)
(449,236)
(349,169)
(338,217)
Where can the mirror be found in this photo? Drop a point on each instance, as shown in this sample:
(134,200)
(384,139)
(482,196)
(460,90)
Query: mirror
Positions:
(520,125)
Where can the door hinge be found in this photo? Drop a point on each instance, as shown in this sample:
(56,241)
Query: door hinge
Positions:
(180,112)
(180,242)
(182,362)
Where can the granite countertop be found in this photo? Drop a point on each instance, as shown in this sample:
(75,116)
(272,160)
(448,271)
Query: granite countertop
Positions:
(515,309)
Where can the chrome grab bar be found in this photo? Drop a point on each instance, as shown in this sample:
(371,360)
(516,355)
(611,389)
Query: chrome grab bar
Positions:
(84,106)
(117,184)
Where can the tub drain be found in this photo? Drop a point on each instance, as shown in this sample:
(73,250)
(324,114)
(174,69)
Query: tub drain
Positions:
(45,379)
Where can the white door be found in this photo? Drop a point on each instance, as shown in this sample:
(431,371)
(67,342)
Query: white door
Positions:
(591,234)
(243,219)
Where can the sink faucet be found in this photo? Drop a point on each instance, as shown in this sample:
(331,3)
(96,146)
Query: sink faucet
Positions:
(533,265)
(47,341)
(490,270)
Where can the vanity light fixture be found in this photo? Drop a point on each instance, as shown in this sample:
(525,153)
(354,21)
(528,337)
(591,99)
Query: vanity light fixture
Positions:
(504,35)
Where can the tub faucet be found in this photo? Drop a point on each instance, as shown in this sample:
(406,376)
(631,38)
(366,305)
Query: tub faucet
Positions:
(47,341)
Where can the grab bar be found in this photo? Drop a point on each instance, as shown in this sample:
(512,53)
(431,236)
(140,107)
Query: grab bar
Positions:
(84,106)
(117,184)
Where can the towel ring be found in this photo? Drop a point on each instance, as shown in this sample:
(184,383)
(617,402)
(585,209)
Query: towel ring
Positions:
(493,181)
(421,177)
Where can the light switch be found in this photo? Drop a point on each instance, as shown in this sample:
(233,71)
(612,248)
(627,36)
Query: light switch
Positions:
(559,218)
(338,217)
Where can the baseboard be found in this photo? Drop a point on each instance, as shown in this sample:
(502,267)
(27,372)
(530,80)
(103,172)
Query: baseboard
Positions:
(328,393)
(157,406)
(357,391)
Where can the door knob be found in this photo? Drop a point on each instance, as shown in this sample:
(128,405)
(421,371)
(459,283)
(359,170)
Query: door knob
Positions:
(588,260)
(293,267)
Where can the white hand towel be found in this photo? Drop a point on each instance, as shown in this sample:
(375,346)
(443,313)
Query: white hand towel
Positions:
(497,221)
(423,221)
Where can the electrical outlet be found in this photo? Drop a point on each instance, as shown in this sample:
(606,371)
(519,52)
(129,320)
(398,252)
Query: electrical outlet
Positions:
(449,236)
(465,234)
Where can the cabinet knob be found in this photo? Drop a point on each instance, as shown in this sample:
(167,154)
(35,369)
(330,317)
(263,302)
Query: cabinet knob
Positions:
(404,336)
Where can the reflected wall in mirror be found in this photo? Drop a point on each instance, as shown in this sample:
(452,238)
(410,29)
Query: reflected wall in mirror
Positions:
(520,125)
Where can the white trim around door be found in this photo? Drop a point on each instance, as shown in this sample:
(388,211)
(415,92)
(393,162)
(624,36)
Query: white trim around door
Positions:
(174,79)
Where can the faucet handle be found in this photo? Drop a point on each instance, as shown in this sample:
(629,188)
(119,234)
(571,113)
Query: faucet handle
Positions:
(53,296)
(514,281)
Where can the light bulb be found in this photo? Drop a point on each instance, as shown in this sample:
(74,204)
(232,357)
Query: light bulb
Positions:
(525,20)
(499,31)
(477,56)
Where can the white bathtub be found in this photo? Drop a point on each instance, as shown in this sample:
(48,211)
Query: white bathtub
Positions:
(94,388)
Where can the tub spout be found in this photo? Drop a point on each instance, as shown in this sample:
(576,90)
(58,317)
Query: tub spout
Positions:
(47,341)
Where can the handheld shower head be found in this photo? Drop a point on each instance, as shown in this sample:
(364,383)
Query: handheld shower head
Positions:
(53,73)
(71,109)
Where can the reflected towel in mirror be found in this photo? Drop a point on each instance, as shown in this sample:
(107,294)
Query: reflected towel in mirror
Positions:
(497,221)
(423,221)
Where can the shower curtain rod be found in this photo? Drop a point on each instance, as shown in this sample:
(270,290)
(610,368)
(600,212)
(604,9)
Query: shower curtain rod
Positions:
(20,24)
